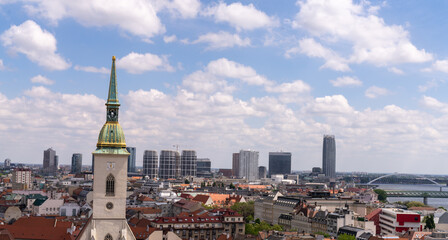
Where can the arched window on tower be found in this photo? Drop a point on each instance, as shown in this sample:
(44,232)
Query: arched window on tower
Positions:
(108,237)
(110,185)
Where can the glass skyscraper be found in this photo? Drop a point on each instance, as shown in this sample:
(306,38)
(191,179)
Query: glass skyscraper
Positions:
(150,164)
(131,159)
(329,156)
(279,163)
(76,163)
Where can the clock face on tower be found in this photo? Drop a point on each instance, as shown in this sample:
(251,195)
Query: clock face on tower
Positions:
(112,115)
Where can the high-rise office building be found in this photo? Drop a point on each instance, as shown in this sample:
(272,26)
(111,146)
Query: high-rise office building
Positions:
(203,167)
(235,164)
(248,165)
(262,172)
(329,156)
(279,163)
(188,164)
(150,164)
(7,164)
(76,163)
(169,164)
(131,159)
(50,165)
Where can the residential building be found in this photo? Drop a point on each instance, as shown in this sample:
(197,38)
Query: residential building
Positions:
(394,221)
(131,159)
(150,164)
(262,172)
(248,165)
(338,219)
(169,164)
(203,167)
(188,163)
(235,164)
(22,176)
(76,163)
(50,163)
(43,207)
(70,209)
(279,163)
(329,156)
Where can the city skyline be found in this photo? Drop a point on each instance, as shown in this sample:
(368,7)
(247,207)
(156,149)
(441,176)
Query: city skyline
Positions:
(202,77)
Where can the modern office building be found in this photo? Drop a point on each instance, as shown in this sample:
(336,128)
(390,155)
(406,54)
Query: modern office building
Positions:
(150,164)
(203,167)
(76,163)
(169,164)
(329,156)
(50,164)
(7,163)
(131,159)
(235,164)
(188,163)
(262,172)
(248,165)
(279,163)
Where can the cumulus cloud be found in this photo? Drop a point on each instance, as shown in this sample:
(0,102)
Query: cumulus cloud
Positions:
(345,81)
(38,45)
(439,65)
(182,8)
(222,40)
(169,39)
(41,79)
(395,70)
(2,66)
(373,41)
(241,17)
(137,63)
(336,104)
(311,48)
(374,92)
(92,69)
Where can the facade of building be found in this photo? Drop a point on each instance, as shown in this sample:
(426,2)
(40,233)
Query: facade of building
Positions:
(169,164)
(47,207)
(394,221)
(203,167)
(76,163)
(108,219)
(235,164)
(22,176)
(150,164)
(131,159)
(262,172)
(248,165)
(279,163)
(329,156)
(50,164)
(188,163)
(7,163)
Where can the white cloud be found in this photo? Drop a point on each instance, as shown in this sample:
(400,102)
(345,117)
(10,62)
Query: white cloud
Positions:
(373,41)
(395,70)
(2,66)
(434,104)
(346,81)
(439,65)
(222,40)
(311,48)
(92,69)
(37,44)
(137,63)
(374,92)
(241,17)
(41,79)
(297,86)
(137,17)
(169,39)
(182,8)
(230,69)
(336,104)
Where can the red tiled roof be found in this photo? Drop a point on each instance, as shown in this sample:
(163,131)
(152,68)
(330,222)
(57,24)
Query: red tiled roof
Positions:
(40,228)
(201,198)
(373,213)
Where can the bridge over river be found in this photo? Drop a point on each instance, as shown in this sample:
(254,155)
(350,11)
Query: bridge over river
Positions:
(415,194)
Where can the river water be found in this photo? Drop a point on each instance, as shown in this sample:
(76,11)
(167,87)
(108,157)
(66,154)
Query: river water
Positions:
(434,202)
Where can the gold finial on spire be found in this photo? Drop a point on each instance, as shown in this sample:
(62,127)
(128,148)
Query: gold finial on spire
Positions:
(113,58)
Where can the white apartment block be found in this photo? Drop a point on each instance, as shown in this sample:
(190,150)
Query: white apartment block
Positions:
(49,207)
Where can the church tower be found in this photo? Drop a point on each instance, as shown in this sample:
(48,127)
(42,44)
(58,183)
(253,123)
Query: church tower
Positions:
(108,220)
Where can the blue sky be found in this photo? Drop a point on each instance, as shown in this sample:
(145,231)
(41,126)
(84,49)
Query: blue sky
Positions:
(220,76)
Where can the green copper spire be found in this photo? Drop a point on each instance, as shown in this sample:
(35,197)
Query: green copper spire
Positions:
(111,139)
(112,98)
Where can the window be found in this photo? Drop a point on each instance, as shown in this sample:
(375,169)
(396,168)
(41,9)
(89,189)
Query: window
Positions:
(110,185)
(108,237)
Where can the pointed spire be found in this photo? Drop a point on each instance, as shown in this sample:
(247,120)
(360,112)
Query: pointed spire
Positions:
(112,98)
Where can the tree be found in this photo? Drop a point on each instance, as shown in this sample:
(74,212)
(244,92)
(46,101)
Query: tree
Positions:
(326,235)
(245,209)
(429,222)
(346,237)
(410,204)
(231,186)
(382,195)
(186,181)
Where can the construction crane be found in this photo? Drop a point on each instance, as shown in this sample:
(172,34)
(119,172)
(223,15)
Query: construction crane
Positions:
(177,147)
